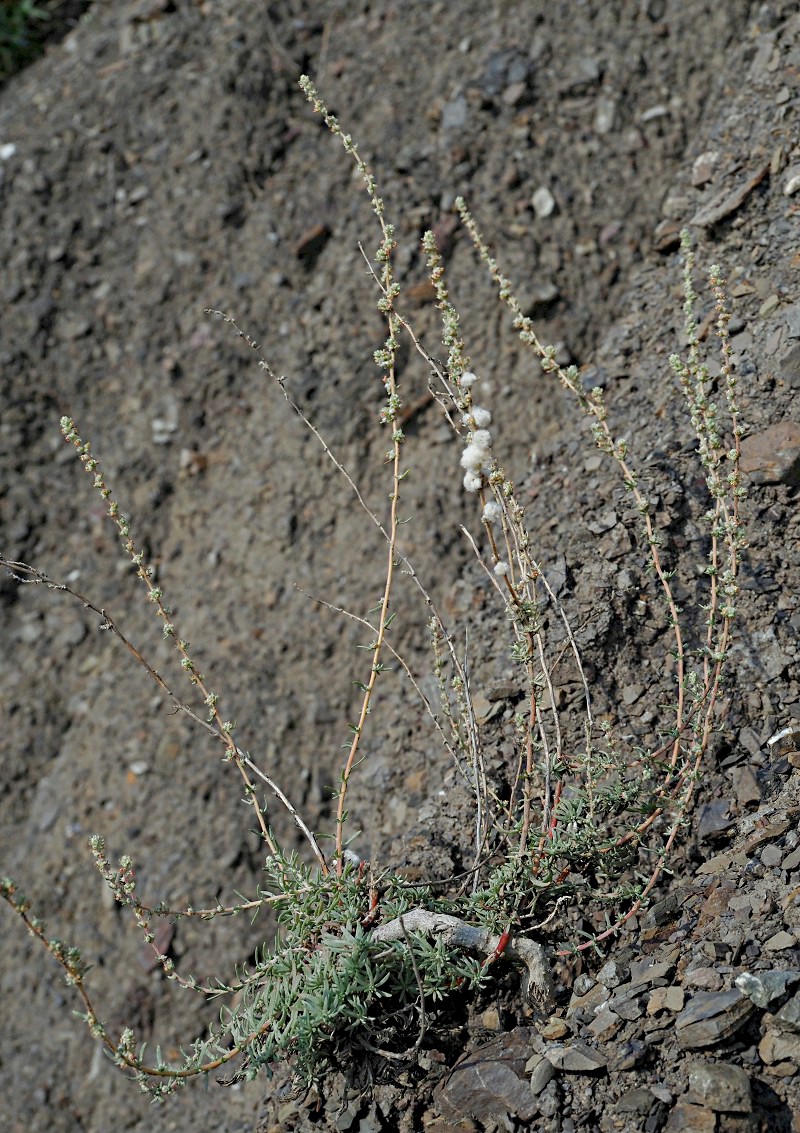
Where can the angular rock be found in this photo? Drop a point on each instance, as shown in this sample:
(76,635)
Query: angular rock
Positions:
(583,985)
(788,1018)
(764,987)
(720,1086)
(654,967)
(773,455)
(707,979)
(605,1025)
(554,1029)
(612,974)
(626,1002)
(666,999)
(780,941)
(575,1058)
(588,1003)
(638,1100)
(490,1081)
(771,855)
(714,818)
(712,1016)
(777,1046)
(630,1056)
(688,1118)
(550,1101)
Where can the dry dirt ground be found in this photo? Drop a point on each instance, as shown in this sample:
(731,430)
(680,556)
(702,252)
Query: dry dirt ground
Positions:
(161,160)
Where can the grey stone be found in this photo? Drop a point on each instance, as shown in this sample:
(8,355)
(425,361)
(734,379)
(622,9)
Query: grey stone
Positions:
(788,1018)
(575,1058)
(763,987)
(454,113)
(549,1102)
(688,1118)
(629,1056)
(771,855)
(773,455)
(543,202)
(490,1081)
(780,941)
(746,786)
(705,978)
(605,1025)
(612,974)
(590,1002)
(720,1086)
(776,1046)
(714,818)
(712,1016)
(653,967)
(638,1100)
(789,366)
(541,1076)
(604,115)
(627,1003)
(583,984)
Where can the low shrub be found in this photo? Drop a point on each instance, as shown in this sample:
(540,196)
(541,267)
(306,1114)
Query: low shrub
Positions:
(360,962)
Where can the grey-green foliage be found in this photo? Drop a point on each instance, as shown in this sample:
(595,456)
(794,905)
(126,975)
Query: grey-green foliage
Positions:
(323,989)
(591,823)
